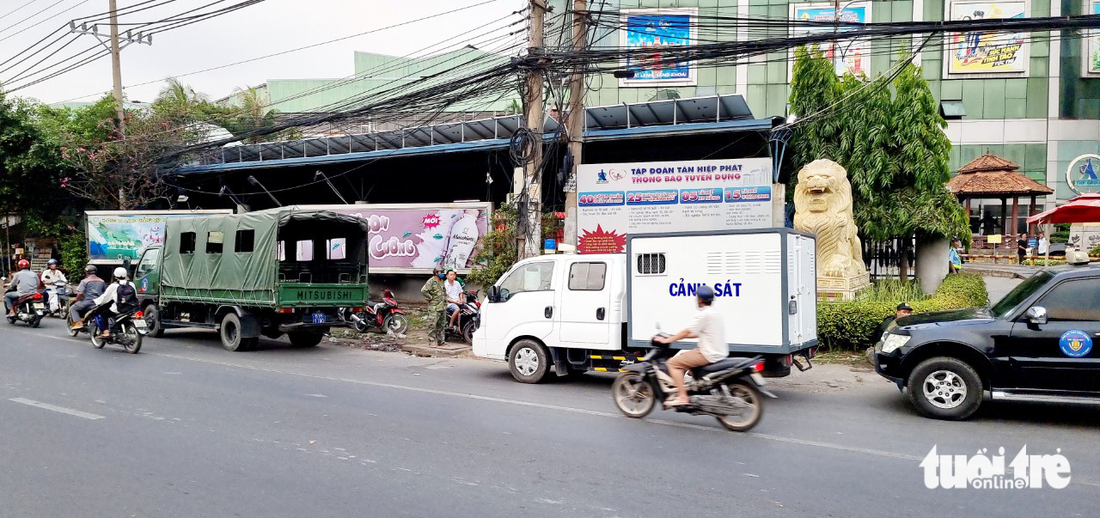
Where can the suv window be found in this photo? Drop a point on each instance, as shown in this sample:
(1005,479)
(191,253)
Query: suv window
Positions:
(1073,300)
(1021,292)
(587,276)
(531,277)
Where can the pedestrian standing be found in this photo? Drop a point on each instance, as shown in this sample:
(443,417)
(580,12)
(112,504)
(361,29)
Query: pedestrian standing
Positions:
(1042,243)
(1021,248)
(436,297)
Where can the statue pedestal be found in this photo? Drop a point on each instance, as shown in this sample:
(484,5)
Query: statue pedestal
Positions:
(841,288)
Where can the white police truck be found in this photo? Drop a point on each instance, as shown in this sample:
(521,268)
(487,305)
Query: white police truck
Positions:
(576,313)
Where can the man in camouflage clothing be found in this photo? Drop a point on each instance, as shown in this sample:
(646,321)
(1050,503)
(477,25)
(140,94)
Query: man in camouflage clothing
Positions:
(436,296)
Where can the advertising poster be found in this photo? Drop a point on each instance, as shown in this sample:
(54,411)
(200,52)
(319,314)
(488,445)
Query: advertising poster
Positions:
(985,52)
(654,29)
(848,56)
(418,238)
(1092,52)
(614,200)
(113,237)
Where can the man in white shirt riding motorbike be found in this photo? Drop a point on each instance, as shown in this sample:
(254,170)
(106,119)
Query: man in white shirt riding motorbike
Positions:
(708,328)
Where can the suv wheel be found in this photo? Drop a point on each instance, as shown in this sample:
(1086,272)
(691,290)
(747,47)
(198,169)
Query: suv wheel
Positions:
(945,388)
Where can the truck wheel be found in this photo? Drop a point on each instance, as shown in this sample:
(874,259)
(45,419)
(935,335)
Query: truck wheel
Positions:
(152,320)
(231,334)
(945,388)
(528,361)
(305,338)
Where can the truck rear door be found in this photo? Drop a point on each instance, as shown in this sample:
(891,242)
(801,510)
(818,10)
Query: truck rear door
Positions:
(586,301)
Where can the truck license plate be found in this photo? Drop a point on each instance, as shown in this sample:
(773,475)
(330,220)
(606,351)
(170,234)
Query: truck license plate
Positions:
(757,378)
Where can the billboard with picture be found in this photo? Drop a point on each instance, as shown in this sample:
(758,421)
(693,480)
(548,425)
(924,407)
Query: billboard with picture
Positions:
(982,52)
(1092,44)
(848,56)
(656,29)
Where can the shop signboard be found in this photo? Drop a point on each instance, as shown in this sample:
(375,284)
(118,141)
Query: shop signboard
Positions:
(656,29)
(114,236)
(985,52)
(848,56)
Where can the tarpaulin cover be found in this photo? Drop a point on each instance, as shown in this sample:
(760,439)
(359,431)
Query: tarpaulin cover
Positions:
(229,275)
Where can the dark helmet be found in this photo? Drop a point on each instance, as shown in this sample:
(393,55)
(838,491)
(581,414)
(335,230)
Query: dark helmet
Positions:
(705,293)
(90,269)
(904,306)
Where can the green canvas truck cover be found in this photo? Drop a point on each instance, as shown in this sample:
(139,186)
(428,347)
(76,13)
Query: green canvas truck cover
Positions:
(200,273)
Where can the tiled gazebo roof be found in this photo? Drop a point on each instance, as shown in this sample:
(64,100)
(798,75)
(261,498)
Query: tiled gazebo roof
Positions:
(993,176)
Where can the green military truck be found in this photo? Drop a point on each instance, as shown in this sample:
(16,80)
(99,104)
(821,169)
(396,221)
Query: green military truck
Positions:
(266,273)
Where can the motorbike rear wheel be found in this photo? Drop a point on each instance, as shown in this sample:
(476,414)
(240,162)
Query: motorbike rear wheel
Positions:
(36,320)
(468,331)
(633,395)
(397,323)
(133,338)
(750,416)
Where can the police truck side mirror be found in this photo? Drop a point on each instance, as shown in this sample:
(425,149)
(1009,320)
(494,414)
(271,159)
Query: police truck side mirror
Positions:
(1036,315)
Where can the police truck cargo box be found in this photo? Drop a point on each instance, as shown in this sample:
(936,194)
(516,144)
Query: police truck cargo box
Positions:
(266,273)
(575,313)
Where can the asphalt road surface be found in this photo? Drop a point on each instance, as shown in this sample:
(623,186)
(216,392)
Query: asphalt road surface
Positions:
(187,429)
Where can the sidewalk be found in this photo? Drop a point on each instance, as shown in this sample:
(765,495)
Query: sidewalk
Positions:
(1001,270)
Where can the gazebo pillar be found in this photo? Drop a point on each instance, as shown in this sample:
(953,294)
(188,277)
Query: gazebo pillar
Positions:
(1004,215)
(1031,212)
(1015,214)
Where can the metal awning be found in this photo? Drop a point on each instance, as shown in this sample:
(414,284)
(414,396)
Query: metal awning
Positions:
(653,118)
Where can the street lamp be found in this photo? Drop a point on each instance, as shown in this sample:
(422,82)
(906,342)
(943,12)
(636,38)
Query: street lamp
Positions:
(319,174)
(252,180)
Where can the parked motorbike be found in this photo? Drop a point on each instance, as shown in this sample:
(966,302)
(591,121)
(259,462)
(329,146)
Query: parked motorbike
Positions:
(730,390)
(128,330)
(386,315)
(468,321)
(29,309)
(57,297)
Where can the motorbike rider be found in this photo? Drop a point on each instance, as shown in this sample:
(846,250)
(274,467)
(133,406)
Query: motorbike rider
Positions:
(708,328)
(122,296)
(50,276)
(24,282)
(88,289)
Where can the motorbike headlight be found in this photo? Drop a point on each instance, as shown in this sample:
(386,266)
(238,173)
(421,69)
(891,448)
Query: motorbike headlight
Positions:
(893,341)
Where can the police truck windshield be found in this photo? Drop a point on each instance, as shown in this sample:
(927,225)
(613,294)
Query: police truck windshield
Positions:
(1021,292)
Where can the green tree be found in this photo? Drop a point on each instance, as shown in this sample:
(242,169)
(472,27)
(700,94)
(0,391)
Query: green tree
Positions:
(30,167)
(891,143)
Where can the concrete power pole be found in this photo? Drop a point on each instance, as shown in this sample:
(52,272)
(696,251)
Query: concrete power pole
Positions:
(116,70)
(532,238)
(575,124)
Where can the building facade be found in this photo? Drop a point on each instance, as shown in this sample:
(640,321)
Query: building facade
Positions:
(1031,98)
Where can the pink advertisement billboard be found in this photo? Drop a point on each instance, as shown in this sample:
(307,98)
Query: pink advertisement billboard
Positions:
(415,238)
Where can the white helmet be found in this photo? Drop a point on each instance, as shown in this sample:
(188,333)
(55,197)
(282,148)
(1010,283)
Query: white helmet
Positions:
(120,273)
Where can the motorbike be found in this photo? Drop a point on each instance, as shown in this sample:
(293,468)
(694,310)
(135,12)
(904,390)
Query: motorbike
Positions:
(386,315)
(128,330)
(731,390)
(57,297)
(468,321)
(29,309)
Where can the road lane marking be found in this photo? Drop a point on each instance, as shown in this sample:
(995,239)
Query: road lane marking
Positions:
(560,408)
(55,408)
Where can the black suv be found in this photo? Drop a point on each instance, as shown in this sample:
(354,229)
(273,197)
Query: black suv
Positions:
(1035,344)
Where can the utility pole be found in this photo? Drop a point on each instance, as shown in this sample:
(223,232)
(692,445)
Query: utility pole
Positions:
(532,238)
(575,124)
(116,70)
(115,43)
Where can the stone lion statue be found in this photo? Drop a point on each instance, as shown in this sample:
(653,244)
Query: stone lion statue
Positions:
(823,207)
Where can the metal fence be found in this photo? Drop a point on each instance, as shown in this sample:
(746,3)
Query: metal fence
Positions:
(883,258)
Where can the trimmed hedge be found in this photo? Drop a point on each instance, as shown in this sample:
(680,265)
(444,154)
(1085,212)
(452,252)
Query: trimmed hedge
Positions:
(851,325)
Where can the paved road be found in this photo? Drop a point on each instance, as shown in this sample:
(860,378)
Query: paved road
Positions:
(187,429)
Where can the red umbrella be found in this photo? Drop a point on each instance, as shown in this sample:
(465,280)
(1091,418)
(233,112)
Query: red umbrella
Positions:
(1082,209)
